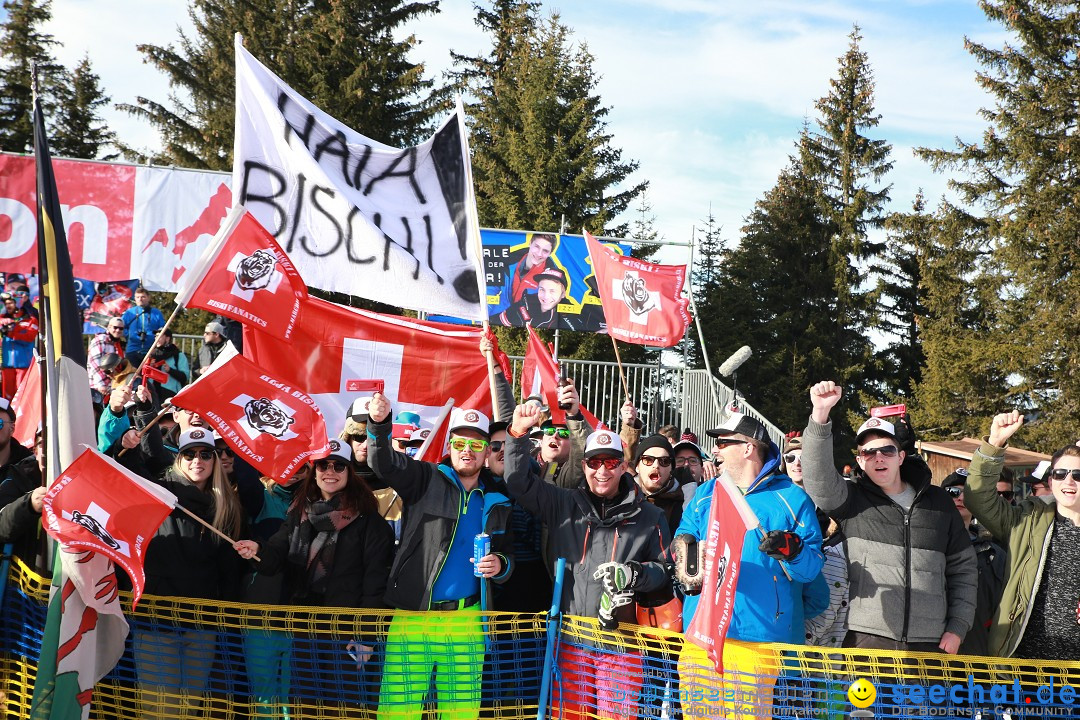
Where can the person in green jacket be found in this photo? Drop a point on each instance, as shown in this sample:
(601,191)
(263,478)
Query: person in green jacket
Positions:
(1039,613)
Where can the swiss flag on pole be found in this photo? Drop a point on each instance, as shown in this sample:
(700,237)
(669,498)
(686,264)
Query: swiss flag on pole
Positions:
(243,274)
(421,363)
(27,406)
(269,422)
(642,301)
(434,448)
(730,517)
(100,506)
(538,377)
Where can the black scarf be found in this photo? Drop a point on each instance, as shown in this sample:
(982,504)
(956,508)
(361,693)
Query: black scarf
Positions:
(313,541)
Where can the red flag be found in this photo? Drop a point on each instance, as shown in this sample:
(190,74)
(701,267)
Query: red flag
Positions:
(245,275)
(269,422)
(538,377)
(27,406)
(100,506)
(434,448)
(730,517)
(421,363)
(642,301)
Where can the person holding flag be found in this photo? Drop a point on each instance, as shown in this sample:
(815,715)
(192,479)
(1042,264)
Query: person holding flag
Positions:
(784,551)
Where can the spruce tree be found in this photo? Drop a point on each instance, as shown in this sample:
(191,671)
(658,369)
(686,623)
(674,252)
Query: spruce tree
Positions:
(22,44)
(1022,174)
(79,130)
(345,56)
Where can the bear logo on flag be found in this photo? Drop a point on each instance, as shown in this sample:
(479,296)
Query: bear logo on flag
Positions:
(638,298)
(91,523)
(264,416)
(254,272)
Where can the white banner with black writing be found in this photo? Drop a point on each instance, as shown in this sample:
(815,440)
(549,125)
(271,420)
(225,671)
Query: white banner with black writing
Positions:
(354,215)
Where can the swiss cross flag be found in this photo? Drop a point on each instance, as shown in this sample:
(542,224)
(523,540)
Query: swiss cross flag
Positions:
(422,364)
(243,274)
(730,517)
(642,301)
(539,373)
(100,506)
(434,448)
(272,424)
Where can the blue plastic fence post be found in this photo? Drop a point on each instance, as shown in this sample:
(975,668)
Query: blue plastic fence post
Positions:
(552,636)
(5,566)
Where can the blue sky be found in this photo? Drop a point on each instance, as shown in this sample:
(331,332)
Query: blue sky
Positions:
(707,95)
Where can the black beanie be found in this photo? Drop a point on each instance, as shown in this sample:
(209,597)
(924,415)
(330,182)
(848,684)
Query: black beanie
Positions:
(653,441)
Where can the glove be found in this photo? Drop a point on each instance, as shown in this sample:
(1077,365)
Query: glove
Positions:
(619,578)
(781,545)
(689,563)
(608,605)
(905,434)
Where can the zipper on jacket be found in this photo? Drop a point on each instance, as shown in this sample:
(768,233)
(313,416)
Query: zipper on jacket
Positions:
(907,571)
(776,594)
(585,544)
(615,544)
(453,534)
(1015,642)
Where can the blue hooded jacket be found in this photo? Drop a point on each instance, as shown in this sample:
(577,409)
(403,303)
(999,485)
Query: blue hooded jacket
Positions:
(764,597)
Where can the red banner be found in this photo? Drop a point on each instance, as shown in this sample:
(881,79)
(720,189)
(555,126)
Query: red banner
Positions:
(245,275)
(539,373)
(422,364)
(642,301)
(99,506)
(270,423)
(729,519)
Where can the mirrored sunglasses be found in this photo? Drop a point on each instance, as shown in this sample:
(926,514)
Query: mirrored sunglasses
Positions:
(611,463)
(955,491)
(885,451)
(474,444)
(557,432)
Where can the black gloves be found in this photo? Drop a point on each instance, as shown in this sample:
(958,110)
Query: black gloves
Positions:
(781,545)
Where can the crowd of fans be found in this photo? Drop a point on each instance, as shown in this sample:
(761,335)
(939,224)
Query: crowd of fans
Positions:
(884,559)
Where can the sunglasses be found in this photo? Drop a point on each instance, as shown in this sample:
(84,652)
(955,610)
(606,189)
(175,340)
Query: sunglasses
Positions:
(1062,473)
(473,444)
(650,460)
(792,457)
(611,463)
(204,455)
(955,491)
(225,452)
(335,465)
(557,432)
(885,451)
(724,442)
(1007,494)
(496,445)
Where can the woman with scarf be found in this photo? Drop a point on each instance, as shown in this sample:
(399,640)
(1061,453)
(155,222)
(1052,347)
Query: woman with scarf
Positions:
(335,551)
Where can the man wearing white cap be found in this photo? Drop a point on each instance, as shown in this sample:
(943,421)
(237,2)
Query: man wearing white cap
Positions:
(913,574)
(614,544)
(446,506)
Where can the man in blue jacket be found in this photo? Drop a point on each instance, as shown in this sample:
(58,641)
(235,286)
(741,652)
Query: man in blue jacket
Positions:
(786,551)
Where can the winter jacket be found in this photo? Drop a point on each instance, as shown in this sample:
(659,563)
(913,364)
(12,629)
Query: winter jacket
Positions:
(141,326)
(768,606)
(588,533)
(358,575)
(1025,529)
(993,563)
(433,498)
(20,524)
(670,502)
(184,559)
(205,358)
(912,574)
(175,364)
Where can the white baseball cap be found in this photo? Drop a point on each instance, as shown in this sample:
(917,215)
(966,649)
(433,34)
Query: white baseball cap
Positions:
(339,451)
(358,411)
(466,419)
(876,425)
(603,442)
(196,437)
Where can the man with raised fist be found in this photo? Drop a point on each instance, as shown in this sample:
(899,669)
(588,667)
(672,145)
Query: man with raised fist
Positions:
(614,544)
(912,570)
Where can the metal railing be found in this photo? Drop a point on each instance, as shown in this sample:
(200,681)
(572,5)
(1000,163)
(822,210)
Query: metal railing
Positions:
(663,394)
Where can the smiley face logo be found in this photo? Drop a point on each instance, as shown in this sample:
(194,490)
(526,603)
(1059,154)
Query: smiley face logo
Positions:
(862,693)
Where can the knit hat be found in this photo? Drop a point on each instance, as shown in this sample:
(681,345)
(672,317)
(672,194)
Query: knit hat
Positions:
(688,436)
(653,441)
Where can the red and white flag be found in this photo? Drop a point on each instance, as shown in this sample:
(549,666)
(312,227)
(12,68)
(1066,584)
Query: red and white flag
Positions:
(642,301)
(97,505)
(27,406)
(730,517)
(434,448)
(243,274)
(421,363)
(539,376)
(271,423)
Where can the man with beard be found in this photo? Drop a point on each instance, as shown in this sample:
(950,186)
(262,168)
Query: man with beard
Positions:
(213,343)
(446,506)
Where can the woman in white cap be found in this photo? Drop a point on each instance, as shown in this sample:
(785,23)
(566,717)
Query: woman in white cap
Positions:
(185,559)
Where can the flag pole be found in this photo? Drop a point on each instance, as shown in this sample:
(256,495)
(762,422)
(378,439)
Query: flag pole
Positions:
(152,423)
(146,355)
(210,527)
(622,373)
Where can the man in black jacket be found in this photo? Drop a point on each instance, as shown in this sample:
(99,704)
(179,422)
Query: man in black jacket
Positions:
(21,496)
(446,506)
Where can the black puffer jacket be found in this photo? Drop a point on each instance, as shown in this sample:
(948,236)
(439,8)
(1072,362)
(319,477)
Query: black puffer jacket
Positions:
(20,524)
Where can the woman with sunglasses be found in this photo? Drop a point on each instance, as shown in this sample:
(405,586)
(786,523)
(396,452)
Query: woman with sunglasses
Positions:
(184,559)
(1039,612)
